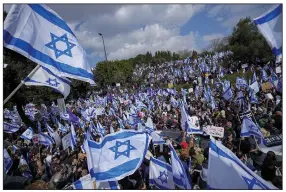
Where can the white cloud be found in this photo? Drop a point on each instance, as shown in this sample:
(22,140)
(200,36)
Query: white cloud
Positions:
(212,36)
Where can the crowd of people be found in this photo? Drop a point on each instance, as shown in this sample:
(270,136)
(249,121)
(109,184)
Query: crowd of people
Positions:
(32,164)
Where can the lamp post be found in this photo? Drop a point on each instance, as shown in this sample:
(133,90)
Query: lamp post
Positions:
(103,46)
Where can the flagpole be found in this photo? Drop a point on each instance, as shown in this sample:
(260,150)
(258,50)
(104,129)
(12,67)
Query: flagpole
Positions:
(20,85)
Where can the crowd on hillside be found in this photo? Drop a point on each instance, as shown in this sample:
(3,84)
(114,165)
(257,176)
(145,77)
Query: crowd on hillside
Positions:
(34,164)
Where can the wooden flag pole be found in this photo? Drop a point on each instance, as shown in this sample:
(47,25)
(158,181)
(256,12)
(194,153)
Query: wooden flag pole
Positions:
(20,85)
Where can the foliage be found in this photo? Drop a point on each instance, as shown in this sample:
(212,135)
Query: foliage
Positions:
(247,43)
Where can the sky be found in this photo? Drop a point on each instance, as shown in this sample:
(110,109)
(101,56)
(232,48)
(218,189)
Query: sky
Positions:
(132,29)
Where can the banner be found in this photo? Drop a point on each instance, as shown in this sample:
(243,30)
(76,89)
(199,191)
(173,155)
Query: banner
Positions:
(214,131)
(273,140)
(66,140)
(62,105)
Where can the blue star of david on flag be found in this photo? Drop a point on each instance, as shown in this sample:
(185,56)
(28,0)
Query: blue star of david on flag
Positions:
(52,82)
(126,152)
(163,177)
(254,183)
(53,45)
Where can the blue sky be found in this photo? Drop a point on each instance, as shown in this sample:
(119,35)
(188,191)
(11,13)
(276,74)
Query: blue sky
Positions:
(133,29)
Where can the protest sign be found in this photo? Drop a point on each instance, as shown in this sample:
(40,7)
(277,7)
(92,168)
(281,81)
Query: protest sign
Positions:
(170,85)
(273,140)
(244,66)
(194,120)
(66,141)
(62,105)
(269,96)
(99,111)
(278,70)
(214,131)
(266,86)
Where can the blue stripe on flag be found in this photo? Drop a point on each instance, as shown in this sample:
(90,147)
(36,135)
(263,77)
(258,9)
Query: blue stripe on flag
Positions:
(116,171)
(269,16)
(51,17)
(113,184)
(121,135)
(30,51)
(152,181)
(78,184)
(156,161)
(276,51)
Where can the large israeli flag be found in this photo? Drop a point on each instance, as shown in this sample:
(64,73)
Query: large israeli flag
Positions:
(161,175)
(44,139)
(40,34)
(44,77)
(179,173)
(8,162)
(227,171)
(87,182)
(270,26)
(118,155)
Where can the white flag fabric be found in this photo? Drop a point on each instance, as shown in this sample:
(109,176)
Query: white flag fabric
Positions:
(73,137)
(8,162)
(160,174)
(179,173)
(248,128)
(118,155)
(44,77)
(40,34)
(227,171)
(10,128)
(87,182)
(270,26)
(28,134)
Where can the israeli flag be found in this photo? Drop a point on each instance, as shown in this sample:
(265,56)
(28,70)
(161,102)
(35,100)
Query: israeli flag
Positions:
(87,182)
(24,167)
(44,77)
(228,94)
(73,137)
(179,173)
(100,129)
(8,162)
(118,155)
(149,125)
(40,34)
(254,86)
(264,75)
(156,138)
(28,134)
(62,128)
(227,171)
(50,130)
(187,124)
(10,128)
(160,174)
(45,139)
(253,98)
(270,26)
(240,82)
(248,128)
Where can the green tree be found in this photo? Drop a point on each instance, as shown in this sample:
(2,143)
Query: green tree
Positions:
(247,43)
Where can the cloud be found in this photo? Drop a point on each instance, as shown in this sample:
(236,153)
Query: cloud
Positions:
(212,36)
(229,15)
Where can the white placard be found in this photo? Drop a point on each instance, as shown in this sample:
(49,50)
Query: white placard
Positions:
(278,70)
(191,90)
(117,84)
(269,96)
(244,66)
(214,131)
(194,120)
(200,81)
(62,105)
(66,141)
(99,111)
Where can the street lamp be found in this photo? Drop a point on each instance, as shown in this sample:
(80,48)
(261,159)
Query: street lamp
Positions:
(103,45)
